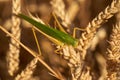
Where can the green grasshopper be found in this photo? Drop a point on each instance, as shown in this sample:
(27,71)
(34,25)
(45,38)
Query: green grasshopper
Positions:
(59,37)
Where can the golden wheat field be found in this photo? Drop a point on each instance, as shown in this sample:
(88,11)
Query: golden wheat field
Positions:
(26,54)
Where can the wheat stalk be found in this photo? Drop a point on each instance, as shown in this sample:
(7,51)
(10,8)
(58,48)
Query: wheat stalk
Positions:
(28,71)
(14,48)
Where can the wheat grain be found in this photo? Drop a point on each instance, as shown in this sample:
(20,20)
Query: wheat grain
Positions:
(14,48)
(28,71)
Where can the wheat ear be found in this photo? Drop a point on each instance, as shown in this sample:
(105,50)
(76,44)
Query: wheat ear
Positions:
(87,36)
(113,57)
(58,8)
(74,61)
(114,44)
(71,12)
(67,16)
(14,48)
(28,71)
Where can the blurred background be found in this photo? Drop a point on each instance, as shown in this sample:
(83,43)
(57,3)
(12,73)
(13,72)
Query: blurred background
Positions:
(86,10)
